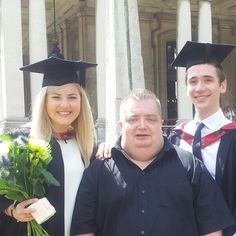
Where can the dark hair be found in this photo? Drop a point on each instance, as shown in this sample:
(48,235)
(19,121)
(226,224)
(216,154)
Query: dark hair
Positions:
(219,71)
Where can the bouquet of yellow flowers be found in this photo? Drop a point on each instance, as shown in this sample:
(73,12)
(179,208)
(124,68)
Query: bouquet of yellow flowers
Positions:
(23,172)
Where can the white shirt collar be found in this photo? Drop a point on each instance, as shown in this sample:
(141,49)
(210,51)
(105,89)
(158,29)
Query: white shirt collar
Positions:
(215,121)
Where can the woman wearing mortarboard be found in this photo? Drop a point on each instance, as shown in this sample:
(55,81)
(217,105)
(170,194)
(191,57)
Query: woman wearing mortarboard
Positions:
(61,116)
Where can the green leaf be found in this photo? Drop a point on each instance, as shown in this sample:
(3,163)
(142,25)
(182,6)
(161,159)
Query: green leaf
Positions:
(6,137)
(13,192)
(39,190)
(49,178)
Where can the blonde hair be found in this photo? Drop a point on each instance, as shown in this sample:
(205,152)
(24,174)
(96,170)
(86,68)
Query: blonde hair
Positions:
(84,127)
(137,95)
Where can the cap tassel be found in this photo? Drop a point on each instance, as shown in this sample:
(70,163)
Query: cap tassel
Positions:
(56,52)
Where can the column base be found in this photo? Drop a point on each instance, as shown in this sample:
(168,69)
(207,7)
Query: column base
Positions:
(7,125)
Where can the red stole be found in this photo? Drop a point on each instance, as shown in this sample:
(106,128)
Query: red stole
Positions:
(208,139)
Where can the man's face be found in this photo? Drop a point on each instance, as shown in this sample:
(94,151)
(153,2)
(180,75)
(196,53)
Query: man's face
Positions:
(141,126)
(204,88)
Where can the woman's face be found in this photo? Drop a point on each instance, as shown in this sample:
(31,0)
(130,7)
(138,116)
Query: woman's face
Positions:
(63,106)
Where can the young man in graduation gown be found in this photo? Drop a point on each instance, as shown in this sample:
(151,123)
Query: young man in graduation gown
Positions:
(210,135)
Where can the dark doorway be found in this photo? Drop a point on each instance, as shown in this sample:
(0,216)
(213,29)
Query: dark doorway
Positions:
(171,83)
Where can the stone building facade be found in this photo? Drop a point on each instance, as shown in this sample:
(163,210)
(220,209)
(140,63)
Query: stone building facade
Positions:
(133,42)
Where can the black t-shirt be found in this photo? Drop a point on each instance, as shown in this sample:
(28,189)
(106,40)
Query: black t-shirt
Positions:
(117,198)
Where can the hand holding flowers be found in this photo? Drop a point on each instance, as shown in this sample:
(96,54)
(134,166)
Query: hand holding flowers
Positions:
(23,172)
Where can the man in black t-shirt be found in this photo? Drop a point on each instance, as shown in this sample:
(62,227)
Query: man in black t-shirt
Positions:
(148,186)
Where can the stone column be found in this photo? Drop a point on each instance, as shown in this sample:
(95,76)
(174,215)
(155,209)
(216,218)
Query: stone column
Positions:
(185,110)
(63,39)
(120,67)
(12,109)
(134,44)
(205,21)
(37,41)
(101,29)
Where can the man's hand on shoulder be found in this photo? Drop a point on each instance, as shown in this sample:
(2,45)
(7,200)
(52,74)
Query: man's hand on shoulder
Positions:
(104,150)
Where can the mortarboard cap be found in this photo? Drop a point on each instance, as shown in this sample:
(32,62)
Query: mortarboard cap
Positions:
(58,71)
(194,53)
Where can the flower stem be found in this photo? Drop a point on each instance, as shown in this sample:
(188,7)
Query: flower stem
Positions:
(35,229)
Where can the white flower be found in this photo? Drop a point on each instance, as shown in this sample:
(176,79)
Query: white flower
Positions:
(38,142)
(4,161)
(40,148)
(4,149)
(4,173)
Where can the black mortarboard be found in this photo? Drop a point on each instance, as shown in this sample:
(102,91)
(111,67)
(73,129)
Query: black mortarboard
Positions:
(194,53)
(58,71)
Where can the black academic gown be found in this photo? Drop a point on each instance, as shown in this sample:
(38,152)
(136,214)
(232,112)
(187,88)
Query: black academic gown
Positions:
(225,174)
(55,225)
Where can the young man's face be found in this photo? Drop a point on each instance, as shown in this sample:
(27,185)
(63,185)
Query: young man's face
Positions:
(204,88)
(141,127)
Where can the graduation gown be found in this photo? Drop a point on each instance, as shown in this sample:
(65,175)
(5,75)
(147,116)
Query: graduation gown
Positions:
(225,174)
(55,225)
